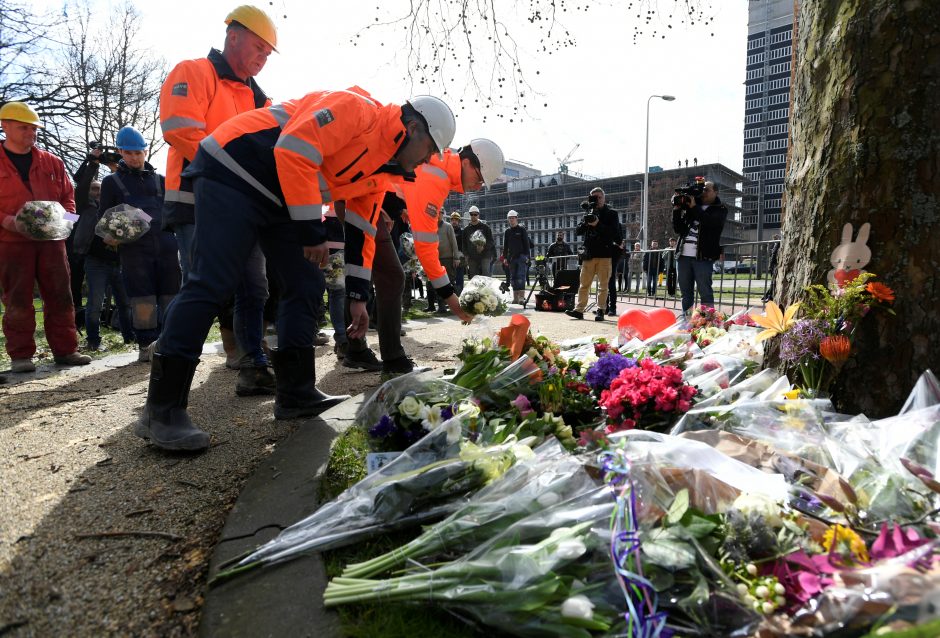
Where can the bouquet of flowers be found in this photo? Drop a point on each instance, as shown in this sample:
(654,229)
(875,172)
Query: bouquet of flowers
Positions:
(820,342)
(707,324)
(123,224)
(481,296)
(411,262)
(646,396)
(478,239)
(334,272)
(44,220)
(431,479)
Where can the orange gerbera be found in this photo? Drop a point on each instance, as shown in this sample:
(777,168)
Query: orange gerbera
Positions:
(880,291)
(835,348)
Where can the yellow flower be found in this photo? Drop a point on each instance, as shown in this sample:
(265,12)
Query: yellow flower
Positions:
(847,543)
(792,394)
(774,320)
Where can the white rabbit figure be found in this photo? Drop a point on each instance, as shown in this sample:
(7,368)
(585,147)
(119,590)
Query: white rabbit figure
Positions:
(850,257)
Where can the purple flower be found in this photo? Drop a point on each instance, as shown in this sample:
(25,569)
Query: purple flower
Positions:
(384,428)
(606,369)
(447,412)
(802,340)
(522,404)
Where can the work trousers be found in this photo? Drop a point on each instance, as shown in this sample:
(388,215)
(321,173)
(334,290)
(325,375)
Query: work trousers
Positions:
(478,265)
(101,274)
(612,287)
(590,269)
(22,266)
(151,272)
(517,272)
(388,278)
(228,226)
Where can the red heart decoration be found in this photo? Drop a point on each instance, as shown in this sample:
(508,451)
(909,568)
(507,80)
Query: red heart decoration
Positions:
(643,325)
(844,277)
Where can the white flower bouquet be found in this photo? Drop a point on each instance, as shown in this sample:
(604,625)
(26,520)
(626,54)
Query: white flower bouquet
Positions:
(481,296)
(334,272)
(411,263)
(44,220)
(123,224)
(478,239)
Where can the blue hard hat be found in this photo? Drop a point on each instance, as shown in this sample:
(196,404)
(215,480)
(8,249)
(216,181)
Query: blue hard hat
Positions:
(130,139)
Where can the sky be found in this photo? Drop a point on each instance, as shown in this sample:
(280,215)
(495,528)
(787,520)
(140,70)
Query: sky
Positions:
(596,91)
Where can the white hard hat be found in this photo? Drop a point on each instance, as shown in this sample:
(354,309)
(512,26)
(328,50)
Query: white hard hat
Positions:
(473,209)
(439,117)
(511,213)
(491,158)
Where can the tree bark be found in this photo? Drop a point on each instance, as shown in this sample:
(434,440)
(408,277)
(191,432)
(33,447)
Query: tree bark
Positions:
(865,127)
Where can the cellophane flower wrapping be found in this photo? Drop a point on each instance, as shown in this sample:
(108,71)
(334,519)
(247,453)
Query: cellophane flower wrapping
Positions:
(552,476)
(123,224)
(334,272)
(428,481)
(43,220)
(405,408)
(482,296)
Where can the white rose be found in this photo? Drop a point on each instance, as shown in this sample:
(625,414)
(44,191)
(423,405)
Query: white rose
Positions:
(769,510)
(479,308)
(410,407)
(579,607)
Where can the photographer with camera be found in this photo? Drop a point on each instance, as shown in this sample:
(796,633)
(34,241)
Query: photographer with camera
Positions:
(599,228)
(597,201)
(698,216)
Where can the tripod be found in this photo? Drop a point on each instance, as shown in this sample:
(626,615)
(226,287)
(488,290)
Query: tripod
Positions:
(541,279)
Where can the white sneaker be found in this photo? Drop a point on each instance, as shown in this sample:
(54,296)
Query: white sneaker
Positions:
(22,365)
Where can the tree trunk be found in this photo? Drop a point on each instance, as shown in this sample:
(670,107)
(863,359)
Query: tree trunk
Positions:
(865,127)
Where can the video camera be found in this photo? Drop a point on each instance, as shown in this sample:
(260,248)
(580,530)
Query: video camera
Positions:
(686,195)
(109,154)
(589,206)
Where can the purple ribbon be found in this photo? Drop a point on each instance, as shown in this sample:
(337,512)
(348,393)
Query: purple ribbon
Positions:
(643,619)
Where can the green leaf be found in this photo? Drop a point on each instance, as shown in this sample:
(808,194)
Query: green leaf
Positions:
(664,549)
(697,526)
(678,508)
(660,578)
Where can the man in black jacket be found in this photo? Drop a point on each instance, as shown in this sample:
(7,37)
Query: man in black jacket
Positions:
(699,224)
(610,219)
(600,243)
(559,249)
(652,266)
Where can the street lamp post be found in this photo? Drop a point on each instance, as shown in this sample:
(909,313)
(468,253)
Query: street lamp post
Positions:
(646,166)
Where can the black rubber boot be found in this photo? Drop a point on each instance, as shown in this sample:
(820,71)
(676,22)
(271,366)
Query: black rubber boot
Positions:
(164,420)
(297,395)
(254,381)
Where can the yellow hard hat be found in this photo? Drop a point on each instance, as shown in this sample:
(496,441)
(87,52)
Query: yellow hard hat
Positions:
(256,21)
(21,112)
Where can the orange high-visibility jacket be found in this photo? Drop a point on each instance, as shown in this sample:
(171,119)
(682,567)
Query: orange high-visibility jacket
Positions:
(301,154)
(424,198)
(196,97)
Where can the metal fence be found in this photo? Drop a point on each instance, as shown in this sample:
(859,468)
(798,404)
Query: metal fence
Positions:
(740,279)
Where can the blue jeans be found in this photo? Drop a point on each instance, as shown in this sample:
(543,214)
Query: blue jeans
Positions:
(695,272)
(337,307)
(229,225)
(517,272)
(100,274)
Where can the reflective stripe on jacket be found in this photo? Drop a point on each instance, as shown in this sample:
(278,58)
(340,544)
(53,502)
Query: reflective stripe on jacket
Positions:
(197,96)
(423,199)
(301,154)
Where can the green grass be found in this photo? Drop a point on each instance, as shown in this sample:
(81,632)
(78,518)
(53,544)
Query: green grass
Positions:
(345,467)
(110,338)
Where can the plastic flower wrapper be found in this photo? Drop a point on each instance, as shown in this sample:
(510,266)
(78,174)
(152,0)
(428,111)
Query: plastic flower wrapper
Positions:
(798,428)
(428,481)
(552,476)
(482,296)
(671,498)
(548,574)
(401,410)
(740,343)
(334,272)
(44,220)
(926,393)
(478,239)
(123,224)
